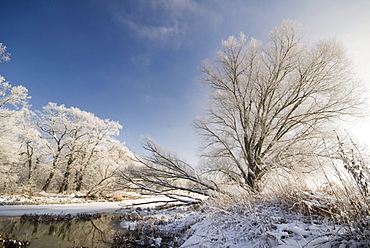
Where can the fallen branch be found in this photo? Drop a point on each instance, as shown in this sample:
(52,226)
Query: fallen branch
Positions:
(163,173)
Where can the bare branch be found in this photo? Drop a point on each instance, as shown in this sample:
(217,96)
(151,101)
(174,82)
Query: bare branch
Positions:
(163,173)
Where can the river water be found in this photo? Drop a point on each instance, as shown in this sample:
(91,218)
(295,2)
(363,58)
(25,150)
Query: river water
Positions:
(72,233)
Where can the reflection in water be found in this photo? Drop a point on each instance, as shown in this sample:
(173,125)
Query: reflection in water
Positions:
(87,233)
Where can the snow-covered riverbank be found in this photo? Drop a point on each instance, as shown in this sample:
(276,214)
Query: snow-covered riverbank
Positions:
(94,207)
(47,205)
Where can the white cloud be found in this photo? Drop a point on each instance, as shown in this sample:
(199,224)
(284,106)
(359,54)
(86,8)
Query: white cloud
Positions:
(169,22)
(150,31)
(141,60)
(158,100)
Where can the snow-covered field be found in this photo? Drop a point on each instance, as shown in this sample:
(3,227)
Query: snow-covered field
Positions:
(241,224)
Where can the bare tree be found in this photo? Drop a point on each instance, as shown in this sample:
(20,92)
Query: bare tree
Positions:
(269,101)
(163,173)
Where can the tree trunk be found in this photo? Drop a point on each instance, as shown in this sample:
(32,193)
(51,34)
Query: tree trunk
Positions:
(80,178)
(254,174)
(29,168)
(51,175)
(29,162)
(47,184)
(65,183)
(81,173)
(251,182)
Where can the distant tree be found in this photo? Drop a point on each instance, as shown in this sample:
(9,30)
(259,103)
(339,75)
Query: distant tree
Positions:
(269,101)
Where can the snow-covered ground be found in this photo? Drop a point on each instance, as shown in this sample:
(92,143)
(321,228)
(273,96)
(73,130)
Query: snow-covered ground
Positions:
(243,225)
(259,226)
(236,225)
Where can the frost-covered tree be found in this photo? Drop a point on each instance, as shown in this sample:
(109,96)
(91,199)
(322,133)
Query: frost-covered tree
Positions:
(10,149)
(20,148)
(13,103)
(4,56)
(74,137)
(52,122)
(32,144)
(111,157)
(16,96)
(269,101)
(100,146)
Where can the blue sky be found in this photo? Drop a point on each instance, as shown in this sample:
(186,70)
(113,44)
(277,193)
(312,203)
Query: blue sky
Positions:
(137,62)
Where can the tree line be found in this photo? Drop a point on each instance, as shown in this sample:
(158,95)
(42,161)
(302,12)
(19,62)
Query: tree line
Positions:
(57,149)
